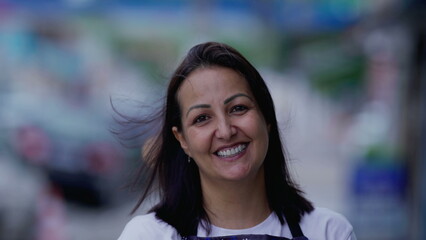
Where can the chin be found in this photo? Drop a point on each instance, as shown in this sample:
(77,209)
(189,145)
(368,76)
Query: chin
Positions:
(238,176)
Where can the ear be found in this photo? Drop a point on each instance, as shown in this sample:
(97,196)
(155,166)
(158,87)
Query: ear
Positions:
(181,138)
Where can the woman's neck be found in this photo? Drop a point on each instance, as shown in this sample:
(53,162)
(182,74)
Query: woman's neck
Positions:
(236,205)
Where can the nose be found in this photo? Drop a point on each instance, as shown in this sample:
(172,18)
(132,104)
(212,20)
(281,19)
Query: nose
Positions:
(225,130)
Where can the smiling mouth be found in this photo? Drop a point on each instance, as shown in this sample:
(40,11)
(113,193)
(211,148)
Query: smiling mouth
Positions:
(230,152)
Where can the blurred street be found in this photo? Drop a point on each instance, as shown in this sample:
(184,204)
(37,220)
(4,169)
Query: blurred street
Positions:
(347,78)
(87,224)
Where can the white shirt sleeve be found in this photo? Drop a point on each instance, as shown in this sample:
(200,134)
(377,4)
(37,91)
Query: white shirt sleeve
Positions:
(148,227)
(324,224)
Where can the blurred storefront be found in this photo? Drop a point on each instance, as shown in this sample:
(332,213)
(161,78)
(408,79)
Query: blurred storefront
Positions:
(352,71)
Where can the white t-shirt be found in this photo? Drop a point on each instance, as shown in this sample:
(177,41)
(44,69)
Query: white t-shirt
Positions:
(320,224)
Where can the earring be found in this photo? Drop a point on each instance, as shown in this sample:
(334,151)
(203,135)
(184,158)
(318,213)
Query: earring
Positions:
(189,159)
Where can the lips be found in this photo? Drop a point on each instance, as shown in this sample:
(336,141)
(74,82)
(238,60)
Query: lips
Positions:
(231,151)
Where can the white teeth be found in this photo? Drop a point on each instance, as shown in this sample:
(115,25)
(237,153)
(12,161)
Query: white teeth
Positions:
(232,151)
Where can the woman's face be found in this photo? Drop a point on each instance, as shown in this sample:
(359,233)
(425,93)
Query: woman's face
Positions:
(223,129)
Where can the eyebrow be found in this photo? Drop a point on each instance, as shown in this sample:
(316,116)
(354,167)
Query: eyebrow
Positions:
(197,106)
(228,100)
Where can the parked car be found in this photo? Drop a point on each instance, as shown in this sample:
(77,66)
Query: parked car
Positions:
(72,145)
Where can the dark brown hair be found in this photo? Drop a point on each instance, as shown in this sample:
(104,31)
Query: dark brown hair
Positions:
(181,203)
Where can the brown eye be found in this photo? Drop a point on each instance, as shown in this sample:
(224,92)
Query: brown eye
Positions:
(200,119)
(239,109)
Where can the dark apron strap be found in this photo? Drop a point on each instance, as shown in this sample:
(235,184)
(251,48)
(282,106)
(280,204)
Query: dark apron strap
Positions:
(295,229)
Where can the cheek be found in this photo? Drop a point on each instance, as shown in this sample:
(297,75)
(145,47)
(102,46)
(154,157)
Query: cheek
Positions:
(198,141)
(256,126)
(258,130)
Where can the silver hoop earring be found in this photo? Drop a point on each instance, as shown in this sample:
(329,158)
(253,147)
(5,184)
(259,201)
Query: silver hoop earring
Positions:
(189,159)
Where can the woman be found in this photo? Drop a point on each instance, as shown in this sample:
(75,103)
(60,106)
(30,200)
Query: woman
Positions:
(219,162)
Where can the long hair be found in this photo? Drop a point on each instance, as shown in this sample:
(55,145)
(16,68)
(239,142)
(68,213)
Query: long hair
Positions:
(178,182)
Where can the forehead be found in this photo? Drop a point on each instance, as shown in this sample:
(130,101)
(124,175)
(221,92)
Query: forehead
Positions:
(213,79)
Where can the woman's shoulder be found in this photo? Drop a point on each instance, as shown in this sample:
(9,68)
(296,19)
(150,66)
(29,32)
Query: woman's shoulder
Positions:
(147,226)
(323,223)
(327,215)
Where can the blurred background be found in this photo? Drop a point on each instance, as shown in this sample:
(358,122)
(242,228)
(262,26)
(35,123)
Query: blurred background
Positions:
(348,79)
